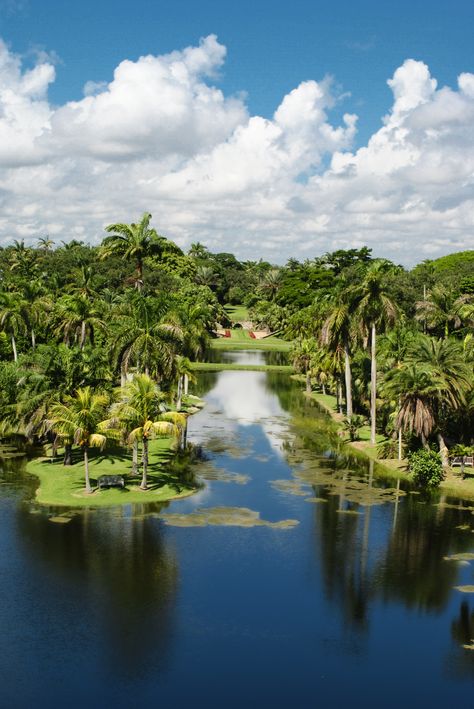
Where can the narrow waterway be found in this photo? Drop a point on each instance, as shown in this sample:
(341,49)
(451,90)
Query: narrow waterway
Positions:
(295,577)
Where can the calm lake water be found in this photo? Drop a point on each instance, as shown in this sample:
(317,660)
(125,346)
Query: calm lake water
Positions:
(338,590)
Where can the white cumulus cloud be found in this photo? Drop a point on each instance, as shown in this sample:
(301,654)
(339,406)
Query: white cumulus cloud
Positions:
(163,137)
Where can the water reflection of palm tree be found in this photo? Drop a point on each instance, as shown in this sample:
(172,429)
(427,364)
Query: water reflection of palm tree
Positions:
(123,568)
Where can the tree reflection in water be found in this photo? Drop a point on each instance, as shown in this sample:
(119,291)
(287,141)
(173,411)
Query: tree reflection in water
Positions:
(133,575)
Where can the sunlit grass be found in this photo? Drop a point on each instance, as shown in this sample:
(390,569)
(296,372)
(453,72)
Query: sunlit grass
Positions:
(64,485)
(237,313)
(221,366)
(241,340)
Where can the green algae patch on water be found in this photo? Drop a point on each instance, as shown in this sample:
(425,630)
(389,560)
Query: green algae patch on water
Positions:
(208,471)
(224,517)
(464,556)
(291,487)
(351,487)
(465,589)
(60,520)
(315,499)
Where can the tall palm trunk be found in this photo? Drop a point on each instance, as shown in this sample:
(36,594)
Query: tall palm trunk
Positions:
(399,434)
(443,450)
(123,373)
(135,458)
(348,380)
(143,484)
(15,353)
(373,384)
(33,340)
(186,384)
(67,454)
(83,334)
(308,382)
(86,469)
(139,283)
(179,396)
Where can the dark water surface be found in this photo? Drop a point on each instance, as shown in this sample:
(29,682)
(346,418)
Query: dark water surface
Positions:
(350,601)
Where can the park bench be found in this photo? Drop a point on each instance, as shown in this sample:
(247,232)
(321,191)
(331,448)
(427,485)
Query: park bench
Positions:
(110,481)
(462,460)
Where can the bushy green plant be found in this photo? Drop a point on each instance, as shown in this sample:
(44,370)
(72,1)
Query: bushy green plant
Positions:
(388,448)
(352,424)
(425,465)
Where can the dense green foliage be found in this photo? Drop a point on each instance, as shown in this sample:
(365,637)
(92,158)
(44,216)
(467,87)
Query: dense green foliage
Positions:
(392,345)
(426,468)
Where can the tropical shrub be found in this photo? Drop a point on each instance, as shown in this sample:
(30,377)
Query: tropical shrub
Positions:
(425,465)
(352,424)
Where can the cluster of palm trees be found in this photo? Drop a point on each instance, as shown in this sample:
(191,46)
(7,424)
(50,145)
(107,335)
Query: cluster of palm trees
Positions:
(425,386)
(64,350)
(133,415)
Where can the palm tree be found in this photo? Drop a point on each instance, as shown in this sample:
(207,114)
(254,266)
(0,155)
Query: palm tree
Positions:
(184,373)
(416,388)
(45,243)
(78,318)
(81,419)
(376,310)
(140,413)
(145,336)
(13,318)
(131,241)
(271,283)
(440,311)
(205,276)
(302,353)
(446,360)
(336,333)
(198,251)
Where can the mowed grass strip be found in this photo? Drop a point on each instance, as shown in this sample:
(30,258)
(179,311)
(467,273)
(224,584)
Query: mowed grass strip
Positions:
(237,313)
(245,342)
(222,366)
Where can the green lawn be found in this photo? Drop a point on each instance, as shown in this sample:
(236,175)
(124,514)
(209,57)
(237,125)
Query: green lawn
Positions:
(453,485)
(221,366)
(64,485)
(241,340)
(237,313)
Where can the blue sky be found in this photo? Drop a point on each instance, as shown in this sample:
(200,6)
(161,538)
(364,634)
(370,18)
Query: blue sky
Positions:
(271,46)
(272,50)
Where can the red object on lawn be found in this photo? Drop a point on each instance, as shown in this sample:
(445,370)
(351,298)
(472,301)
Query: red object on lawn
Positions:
(252,335)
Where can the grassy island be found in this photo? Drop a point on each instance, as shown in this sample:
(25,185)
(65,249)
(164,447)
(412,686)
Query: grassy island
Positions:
(63,486)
